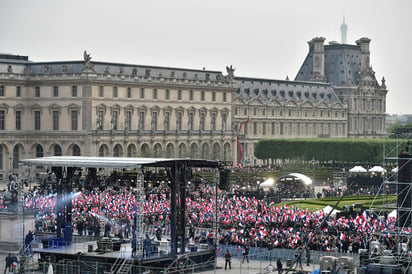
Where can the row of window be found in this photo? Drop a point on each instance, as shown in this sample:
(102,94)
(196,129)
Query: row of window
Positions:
(115,93)
(114,121)
(365,124)
(204,151)
(154,123)
(37,91)
(290,112)
(283,128)
(166,95)
(14,158)
(37,119)
(368,104)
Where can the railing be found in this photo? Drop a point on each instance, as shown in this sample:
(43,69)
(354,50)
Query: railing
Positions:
(79,266)
(263,254)
(120,262)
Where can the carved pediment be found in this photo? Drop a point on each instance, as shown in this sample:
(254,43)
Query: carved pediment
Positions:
(129,108)
(167,109)
(73,107)
(291,103)
(35,107)
(191,109)
(54,107)
(180,109)
(323,105)
(142,108)
(275,103)
(308,104)
(19,107)
(115,107)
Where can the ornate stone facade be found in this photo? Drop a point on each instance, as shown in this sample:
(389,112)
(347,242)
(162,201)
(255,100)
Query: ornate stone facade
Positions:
(347,68)
(95,108)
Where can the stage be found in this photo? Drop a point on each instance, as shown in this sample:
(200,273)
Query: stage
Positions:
(90,256)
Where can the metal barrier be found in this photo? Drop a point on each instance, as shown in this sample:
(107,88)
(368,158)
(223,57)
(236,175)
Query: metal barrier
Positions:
(262,253)
(85,267)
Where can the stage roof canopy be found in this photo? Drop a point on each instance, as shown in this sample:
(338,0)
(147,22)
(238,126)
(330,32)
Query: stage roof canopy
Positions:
(114,162)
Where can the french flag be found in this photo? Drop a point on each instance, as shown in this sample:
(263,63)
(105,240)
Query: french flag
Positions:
(365,215)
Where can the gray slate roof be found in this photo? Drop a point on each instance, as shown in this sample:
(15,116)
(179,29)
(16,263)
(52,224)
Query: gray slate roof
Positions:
(342,65)
(76,67)
(267,90)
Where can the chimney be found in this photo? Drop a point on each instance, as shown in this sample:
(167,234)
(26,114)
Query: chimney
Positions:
(316,45)
(365,53)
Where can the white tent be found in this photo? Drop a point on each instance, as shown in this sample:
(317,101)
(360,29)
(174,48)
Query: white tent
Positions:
(377,169)
(356,169)
(393,213)
(305,179)
(267,183)
(328,209)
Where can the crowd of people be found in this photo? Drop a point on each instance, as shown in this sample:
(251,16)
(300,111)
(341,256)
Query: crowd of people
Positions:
(243,220)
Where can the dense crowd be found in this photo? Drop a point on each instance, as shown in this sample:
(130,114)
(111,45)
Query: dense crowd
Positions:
(243,220)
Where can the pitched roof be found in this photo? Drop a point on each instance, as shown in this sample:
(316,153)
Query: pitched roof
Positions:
(342,65)
(283,90)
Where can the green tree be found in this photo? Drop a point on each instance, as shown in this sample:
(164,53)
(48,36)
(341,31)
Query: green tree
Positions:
(324,150)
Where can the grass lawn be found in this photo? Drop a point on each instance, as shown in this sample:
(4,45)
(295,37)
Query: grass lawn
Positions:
(368,202)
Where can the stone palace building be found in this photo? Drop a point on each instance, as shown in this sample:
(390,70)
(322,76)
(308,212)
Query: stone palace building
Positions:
(94,108)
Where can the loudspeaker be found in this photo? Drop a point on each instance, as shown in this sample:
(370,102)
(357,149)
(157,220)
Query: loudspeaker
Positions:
(224,179)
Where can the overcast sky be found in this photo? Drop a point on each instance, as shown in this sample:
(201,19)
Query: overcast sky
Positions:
(262,38)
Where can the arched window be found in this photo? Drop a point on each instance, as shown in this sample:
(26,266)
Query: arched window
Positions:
(76,150)
(182,150)
(205,151)
(39,151)
(131,151)
(16,156)
(169,151)
(144,150)
(194,151)
(216,152)
(117,151)
(1,157)
(57,150)
(101,151)
(158,150)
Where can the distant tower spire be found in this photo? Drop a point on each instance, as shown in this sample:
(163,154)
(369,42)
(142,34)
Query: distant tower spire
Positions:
(343,30)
